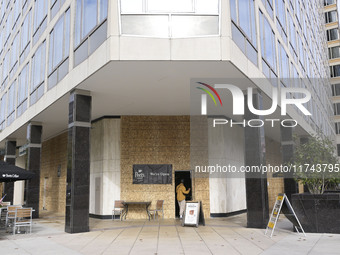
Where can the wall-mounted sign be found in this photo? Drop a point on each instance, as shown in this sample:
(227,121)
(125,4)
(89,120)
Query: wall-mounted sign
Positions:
(23,150)
(152,174)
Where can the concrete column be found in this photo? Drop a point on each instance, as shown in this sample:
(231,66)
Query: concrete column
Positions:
(287,152)
(255,155)
(10,151)
(34,140)
(78,166)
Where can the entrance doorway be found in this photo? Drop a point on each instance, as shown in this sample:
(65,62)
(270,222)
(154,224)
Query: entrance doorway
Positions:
(186,176)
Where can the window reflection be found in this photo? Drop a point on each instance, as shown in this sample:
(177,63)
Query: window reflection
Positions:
(89,14)
(160,18)
(3,111)
(59,41)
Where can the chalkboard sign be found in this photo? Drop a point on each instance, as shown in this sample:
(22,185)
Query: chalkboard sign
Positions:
(152,174)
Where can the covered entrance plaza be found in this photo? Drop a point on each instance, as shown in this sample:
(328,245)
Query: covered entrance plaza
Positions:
(84,145)
(219,236)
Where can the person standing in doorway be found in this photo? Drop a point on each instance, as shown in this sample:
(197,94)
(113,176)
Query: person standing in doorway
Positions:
(181,192)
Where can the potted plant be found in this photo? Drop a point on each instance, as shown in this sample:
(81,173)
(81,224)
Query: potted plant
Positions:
(317,167)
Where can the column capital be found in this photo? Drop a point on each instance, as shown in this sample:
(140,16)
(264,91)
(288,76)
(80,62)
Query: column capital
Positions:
(80,92)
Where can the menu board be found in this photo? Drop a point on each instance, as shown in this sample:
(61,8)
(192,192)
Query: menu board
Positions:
(191,214)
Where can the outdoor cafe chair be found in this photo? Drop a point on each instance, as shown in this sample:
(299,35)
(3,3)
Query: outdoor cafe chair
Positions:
(159,208)
(118,207)
(11,213)
(4,210)
(22,218)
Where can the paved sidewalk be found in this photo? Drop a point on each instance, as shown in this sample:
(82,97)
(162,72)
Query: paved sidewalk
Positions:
(219,236)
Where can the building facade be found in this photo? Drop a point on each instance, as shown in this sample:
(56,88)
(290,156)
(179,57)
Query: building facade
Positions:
(333,41)
(91,88)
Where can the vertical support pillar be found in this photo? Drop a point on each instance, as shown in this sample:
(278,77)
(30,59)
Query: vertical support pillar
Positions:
(287,151)
(255,155)
(78,166)
(34,139)
(10,151)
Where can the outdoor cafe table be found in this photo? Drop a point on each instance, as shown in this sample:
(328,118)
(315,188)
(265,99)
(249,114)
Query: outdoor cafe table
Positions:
(129,203)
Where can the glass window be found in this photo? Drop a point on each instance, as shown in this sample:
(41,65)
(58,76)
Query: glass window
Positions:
(40,13)
(269,6)
(233,10)
(5,68)
(89,13)
(328,2)
(8,26)
(298,12)
(103,10)
(25,4)
(198,17)
(15,51)
(207,7)
(3,9)
(1,40)
(301,51)
(89,20)
(38,67)
(17,11)
(284,65)
(337,128)
(170,6)
(25,32)
(292,31)
(131,6)
(335,71)
(55,7)
(334,52)
(243,16)
(336,89)
(150,25)
(267,42)
(332,34)
(23,85)
(281,13)
(3,111)
(11,99)
(59,44)
(331,16)
(195,25)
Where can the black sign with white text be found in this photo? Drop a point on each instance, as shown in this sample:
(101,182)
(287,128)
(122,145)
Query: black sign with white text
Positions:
(152,174)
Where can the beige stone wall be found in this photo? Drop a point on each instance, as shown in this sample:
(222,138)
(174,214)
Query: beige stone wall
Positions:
(273,157)
(53,154)
(157,140)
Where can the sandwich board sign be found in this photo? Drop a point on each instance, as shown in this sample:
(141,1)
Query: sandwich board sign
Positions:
(193,214)
(283,205)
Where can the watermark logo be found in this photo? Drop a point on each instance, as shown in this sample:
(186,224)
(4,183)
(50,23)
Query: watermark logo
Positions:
(239,99)
(204,96)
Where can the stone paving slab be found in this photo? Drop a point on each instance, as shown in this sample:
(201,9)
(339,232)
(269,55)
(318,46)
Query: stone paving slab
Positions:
(163,237)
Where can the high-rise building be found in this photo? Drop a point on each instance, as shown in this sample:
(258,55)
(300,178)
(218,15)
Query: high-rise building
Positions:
(92,90)
(333,41)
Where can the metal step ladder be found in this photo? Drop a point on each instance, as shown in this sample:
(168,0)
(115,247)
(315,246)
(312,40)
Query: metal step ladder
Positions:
(281,198)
